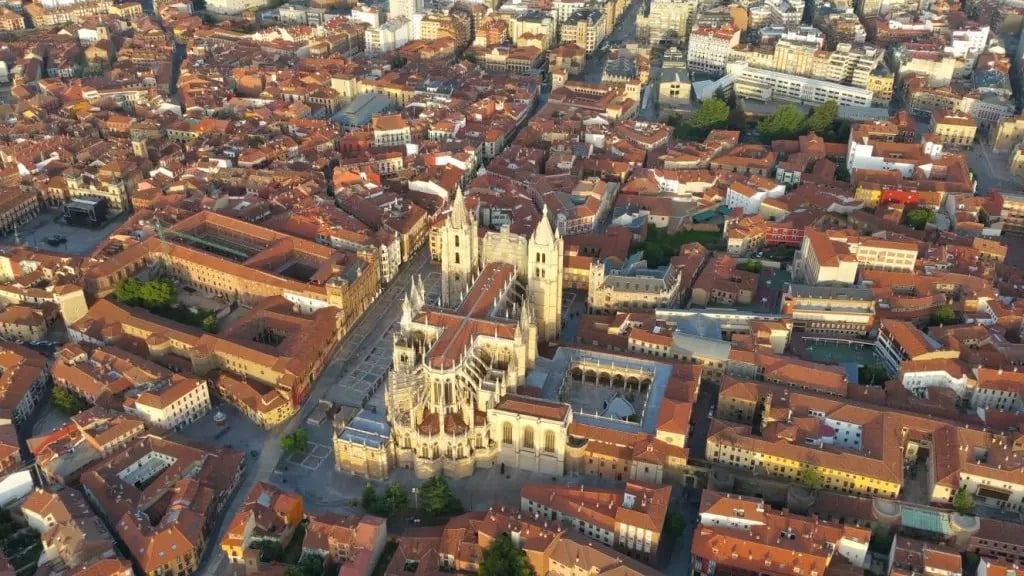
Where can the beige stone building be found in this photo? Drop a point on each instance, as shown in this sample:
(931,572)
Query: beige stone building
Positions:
(1008,133)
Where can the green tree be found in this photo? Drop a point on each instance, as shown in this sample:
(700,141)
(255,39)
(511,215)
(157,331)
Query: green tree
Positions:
(198,5)
(822,117)
(270,551)
(674,525)
(67,401)
(309,565)
(295,442)
(963,502)
(399,61)
(942,316)
(369,499)
(711,114)
(93,69)
(503,558)
(209,323)
(811,478)
(786,123)
(395,498)
(128,291)
(470,57)
(918,218)
(754,266)
(437,499)
(159,293)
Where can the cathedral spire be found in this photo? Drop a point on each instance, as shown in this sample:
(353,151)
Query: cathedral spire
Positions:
(459,218)
(543,234)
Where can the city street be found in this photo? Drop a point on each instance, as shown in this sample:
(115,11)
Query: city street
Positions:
(990,169)
(624,31)
(355,345)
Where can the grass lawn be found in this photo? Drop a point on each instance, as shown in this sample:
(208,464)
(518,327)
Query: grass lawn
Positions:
(659,246)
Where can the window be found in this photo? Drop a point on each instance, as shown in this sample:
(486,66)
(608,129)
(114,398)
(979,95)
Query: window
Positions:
(549,441)
(528,437)
(506,433)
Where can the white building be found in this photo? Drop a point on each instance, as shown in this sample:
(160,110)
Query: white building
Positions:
(368,14)
(709,48)
(770,86)
(666,18)
(389,36)
(748,196)
(234,6)
(169,404)
(402,8)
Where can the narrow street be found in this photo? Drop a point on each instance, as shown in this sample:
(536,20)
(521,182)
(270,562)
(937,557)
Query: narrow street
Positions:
(214,562)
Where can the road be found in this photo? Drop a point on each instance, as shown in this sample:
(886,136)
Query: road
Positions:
(624,31)
(214,562)
(990,169)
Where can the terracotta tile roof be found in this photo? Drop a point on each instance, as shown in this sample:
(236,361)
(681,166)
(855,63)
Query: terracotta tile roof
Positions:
(534,407)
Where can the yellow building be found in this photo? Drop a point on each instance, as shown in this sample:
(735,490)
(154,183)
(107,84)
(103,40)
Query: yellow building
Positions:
(881,83)
(953,129)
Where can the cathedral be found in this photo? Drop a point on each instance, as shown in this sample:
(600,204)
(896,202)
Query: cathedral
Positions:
(537,259)
(452,398)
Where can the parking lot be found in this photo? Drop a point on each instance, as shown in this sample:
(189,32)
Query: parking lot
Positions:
(80,241)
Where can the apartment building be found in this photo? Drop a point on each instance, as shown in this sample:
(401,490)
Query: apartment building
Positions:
(267,515)
(585,27)
(822,261)
(1012,213)
(769,85)
(666,18)
(535,24)
(709,48)
(390,130)
(630,518)
(93,434)
(163,468)
(391,35)
(899,341)
(170,404)
(953,129)
(998,389)
(848,64)
(70,532)
(739,535)
(1008,133)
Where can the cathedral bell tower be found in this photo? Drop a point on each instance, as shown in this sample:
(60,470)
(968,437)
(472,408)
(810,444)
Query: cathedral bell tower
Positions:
(544,279)
(460,247)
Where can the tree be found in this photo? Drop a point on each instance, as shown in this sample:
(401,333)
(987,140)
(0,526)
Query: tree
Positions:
(713,113)
(437,499)
(369,499)
(811,478)
(395,498)
(159,293)
(822,117)
(295,442)
(503,558)
(198,5)
(210,323)
(918,218)
(309,565)
(128,290)
(67,401)
(754,266)
(674,525)
(92,69)
(399,61)
(470,57)
(942,316)
(786,123)
(270,550)
(963,502)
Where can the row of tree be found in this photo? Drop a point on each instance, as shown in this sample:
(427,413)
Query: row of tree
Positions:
(786,123)
(433,498)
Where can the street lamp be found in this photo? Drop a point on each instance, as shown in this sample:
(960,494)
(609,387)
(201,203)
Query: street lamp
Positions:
(415,500)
